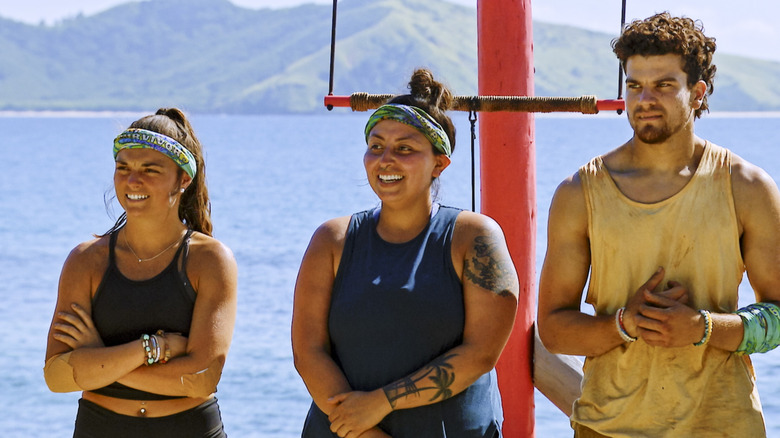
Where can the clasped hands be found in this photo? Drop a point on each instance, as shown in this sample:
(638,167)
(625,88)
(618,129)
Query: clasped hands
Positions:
(663,319)
(356,414)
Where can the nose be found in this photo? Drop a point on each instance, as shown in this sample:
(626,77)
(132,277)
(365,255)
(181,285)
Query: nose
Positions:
(647,95)
(134,178)
(387,155)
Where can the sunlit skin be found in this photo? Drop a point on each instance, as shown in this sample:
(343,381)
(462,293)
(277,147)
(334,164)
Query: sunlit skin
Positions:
(146,181)
(659,102)
(400,164)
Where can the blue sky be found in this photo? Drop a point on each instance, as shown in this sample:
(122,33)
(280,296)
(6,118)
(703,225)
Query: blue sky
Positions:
(744,27)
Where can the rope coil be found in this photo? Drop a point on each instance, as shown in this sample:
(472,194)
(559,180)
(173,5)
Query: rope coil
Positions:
(361,101)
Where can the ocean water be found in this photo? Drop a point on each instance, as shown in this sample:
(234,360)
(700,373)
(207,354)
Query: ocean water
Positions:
(273,180)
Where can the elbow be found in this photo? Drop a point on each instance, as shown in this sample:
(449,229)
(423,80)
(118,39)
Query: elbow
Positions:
(488,363)
(59,374)
(297,361)
(305,362)
(306,355)
(553,347)
(204,382)
(484,362)
(548,339)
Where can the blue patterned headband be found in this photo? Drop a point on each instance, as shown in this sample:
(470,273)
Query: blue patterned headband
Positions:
(416,118)
(135,138)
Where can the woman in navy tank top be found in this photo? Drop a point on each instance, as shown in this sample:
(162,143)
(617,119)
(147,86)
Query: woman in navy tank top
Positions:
(402,311)
(145,312)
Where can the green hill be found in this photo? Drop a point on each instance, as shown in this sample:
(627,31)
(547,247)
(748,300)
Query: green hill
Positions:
(210,56)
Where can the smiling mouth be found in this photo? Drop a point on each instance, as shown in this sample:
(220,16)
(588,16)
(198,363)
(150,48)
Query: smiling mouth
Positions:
(134,197)
(390,178)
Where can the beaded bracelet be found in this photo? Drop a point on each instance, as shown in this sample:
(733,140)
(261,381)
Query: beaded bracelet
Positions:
(167,347)
(707,327)
(147,350)
(620,328)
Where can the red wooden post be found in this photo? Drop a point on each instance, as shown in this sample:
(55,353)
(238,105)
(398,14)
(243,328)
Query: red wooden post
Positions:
(508,186)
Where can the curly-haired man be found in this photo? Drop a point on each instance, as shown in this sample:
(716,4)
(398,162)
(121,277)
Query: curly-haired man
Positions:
(661,230)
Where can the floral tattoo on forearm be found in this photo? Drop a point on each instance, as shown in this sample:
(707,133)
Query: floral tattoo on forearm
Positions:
(438,373)
(487,269)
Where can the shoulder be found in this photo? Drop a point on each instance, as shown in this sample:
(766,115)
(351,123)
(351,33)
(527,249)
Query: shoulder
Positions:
(569,196)
(571,187)
(327,242)
(321,259)
(83,270)
(332,233)
(477,232)
(748,176)
(753,189)
(207,254)
(469,224)
(211,268)
(89,256)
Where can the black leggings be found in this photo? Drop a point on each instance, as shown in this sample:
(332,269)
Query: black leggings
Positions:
(203,421)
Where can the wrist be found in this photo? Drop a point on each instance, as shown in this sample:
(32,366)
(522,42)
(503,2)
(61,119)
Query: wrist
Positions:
(166,347)
(621,328)
(707,318)
(384,400)
(148,351)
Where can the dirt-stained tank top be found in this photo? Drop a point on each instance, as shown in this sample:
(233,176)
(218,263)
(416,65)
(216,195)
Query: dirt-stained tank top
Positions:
(637,390)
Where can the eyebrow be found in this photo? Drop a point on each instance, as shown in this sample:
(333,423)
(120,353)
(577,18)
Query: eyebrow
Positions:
(405,137)
(144,164)
(666,79)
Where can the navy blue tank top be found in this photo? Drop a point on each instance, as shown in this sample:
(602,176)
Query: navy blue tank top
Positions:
(394,308)
(123,309)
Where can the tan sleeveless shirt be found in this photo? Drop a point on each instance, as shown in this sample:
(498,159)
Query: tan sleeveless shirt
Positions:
(636,390)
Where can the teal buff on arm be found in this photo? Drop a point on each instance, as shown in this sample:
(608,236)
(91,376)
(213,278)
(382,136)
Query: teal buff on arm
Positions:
(761,322)
(416,118)
(135,138)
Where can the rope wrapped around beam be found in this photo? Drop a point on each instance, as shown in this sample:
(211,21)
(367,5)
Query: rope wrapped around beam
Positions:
(584,104)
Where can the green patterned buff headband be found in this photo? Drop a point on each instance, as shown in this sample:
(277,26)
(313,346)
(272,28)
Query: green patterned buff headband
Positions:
(135,138)
(416,118)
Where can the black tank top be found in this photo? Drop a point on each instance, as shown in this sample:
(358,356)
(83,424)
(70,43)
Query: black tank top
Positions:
(123,309)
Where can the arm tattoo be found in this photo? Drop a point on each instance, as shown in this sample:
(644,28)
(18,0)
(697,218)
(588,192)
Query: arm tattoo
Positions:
(487,270)
(437,372)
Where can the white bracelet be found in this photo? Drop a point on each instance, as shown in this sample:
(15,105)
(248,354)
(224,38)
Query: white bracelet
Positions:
(707,327)
(619,324)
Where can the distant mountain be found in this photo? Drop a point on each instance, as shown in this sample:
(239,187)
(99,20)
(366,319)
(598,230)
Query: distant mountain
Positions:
(210,56)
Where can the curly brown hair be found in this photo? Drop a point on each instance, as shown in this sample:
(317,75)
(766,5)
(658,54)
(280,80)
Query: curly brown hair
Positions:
(664,34)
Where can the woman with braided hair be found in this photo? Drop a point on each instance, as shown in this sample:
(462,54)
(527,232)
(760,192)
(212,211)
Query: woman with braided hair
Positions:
(145,312)
(402,311)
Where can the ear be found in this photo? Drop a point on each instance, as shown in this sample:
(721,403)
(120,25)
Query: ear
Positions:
(186,180)
(442,161)
(698,92)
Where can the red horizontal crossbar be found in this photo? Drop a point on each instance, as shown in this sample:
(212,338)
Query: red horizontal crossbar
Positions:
(332,101)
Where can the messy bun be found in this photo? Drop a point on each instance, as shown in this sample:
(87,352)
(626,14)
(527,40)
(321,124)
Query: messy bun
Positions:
(431,96)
